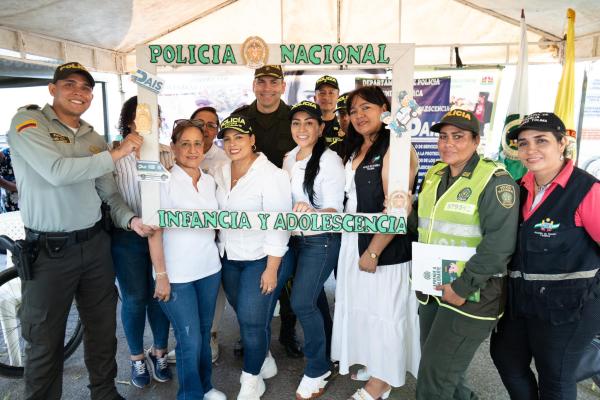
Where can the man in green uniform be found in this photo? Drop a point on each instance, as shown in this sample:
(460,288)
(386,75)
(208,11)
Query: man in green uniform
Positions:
(472,202)
(269,117)
(327,91)
(343,118)
(64,172)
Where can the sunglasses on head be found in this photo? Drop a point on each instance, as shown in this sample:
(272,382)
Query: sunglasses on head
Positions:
(186,123)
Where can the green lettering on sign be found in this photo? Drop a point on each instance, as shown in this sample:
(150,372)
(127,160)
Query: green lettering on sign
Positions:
(301,55)
(382,58)
(354,54)
(229,57)
(311,54)
(369,55)
(287,53)
(168,54)
(155,52)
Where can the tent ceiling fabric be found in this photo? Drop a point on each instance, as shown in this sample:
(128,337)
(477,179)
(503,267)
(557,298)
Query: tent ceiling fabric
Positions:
(120,25)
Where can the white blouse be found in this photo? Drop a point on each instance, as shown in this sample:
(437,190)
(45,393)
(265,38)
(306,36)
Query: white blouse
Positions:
(214,159)
(329,182)
(263,188)
(190,254)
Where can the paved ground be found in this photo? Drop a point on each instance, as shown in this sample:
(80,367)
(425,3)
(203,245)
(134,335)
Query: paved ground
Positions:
(482,374)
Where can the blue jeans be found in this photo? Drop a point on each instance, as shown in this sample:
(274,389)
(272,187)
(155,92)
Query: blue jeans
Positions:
(241,281)
(191,309)
(131,259)
(314,259)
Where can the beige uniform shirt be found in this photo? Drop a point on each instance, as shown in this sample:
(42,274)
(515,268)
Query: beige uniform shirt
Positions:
(62,176)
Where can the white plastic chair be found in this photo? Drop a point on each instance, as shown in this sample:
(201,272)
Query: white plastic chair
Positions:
(11,225)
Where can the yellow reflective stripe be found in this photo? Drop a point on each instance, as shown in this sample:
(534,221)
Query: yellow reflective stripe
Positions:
(448,306)
(451,228)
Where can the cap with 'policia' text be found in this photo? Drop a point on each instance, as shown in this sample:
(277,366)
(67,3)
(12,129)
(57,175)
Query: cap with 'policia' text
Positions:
(309,107)
(462,119)
(341,103)
(63,71)
(327,80)
(274,71)
(539,121)
(235,122)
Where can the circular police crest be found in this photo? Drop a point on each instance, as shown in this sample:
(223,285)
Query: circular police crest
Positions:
(464,194)
(255,52)
(427,275)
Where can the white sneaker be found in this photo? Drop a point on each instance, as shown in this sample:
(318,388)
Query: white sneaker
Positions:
(252,388)
(311,388)
(269,367)
(171,359)
(214,394)
(214,347)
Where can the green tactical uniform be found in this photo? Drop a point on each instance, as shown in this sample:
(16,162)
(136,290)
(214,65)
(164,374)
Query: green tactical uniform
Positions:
(272,131)
(478,208)
(62,177)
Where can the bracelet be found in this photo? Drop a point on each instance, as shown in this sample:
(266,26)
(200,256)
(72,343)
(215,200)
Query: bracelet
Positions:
(164,273)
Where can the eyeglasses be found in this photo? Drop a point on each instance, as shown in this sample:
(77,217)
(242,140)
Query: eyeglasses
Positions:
(210,125)
(186,123)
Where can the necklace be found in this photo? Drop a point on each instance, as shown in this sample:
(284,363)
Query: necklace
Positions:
(543,187)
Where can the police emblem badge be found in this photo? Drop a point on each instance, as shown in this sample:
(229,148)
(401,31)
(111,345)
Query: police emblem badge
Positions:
(255,52)
(464,194)
(505,195)
(143,119)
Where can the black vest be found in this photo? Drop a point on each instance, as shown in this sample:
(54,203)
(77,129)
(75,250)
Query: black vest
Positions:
(370,198)
(552,255)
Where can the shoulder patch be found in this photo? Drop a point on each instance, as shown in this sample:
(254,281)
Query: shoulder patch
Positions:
(30,123)
(506,195)
(95,149)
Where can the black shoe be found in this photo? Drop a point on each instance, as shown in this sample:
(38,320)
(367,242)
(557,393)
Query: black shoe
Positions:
(238,349)
(335,371)
(292,346)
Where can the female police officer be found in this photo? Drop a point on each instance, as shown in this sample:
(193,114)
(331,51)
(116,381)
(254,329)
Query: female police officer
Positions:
(554,310)
(464,201)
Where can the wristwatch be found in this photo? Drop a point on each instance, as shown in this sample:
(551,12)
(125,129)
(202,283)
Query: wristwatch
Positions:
(374,256)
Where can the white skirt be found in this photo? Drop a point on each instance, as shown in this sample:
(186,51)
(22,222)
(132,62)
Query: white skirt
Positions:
(376,322)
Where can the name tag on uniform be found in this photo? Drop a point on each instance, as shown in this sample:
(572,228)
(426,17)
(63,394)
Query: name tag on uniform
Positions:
(461,208)
(57,137)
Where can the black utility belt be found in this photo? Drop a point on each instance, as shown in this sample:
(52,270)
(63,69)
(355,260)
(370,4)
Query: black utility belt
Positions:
(58,240)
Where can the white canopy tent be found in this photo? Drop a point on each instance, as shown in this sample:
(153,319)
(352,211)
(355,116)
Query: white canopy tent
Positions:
(103,35)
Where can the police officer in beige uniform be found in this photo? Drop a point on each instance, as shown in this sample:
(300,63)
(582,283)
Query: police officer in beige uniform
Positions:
(64,172)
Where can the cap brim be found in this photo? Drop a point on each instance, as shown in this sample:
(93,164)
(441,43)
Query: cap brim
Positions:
(88,77)
(308,110)
(268,74)
(514,134)
(438,127)
(222,132)
(317,87)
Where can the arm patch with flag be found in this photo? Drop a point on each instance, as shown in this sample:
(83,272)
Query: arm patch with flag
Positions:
(30,123)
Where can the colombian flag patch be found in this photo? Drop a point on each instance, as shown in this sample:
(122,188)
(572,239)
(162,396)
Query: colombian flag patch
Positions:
(30,123)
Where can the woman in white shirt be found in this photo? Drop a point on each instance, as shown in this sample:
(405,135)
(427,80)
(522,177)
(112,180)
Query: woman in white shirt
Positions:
(253,272)
(317,180)
(187,266)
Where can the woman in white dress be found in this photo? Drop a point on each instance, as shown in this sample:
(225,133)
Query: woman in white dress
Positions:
(375,321)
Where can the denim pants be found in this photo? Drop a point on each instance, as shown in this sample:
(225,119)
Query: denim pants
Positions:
(556,350)
(254,310)
(131,259)
(191,309)
(314,259)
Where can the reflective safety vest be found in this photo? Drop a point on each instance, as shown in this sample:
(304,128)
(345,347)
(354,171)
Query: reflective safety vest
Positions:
(453,220)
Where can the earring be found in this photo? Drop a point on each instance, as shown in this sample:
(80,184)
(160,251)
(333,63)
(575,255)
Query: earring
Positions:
(254,147)
(562,157)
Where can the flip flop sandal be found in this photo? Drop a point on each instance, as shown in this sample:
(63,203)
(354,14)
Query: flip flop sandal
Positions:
(361,375)
(362,394)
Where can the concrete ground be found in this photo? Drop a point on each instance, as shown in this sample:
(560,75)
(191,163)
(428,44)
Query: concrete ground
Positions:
(482,375)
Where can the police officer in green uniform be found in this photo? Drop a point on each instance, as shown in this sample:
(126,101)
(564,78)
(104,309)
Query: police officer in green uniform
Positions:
(327,91)
(64,172)
(464,201)
(269,117)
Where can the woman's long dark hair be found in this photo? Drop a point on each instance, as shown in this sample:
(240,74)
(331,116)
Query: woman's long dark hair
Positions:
(313,167)
(354,140)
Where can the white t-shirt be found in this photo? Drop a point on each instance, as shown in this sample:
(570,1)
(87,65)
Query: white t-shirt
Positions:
(264,188)
(329,182)
(190,254)
(214,159)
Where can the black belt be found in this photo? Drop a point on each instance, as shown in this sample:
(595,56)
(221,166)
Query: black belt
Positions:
(69,238)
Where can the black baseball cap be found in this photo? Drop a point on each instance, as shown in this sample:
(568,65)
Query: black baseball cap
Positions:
(235,122)
(341,102)
(269,70)
(539,121)
(64,70)
(462,119)
(307,106)
(327,80)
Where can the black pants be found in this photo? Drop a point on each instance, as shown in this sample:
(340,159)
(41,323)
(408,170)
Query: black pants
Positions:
(86,273)
(556,350)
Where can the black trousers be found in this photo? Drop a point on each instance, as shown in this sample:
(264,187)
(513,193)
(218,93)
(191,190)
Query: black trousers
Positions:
(556,350)
(85,273)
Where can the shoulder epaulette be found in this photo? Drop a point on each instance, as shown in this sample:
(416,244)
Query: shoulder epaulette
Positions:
(241,109)
(501,172)
(30,107)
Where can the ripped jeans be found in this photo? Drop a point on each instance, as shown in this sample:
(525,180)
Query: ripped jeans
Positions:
(191,309)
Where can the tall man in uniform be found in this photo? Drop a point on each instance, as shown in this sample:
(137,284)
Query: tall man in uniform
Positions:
(64,172)
(341,110)
(269,117)
(327,91)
